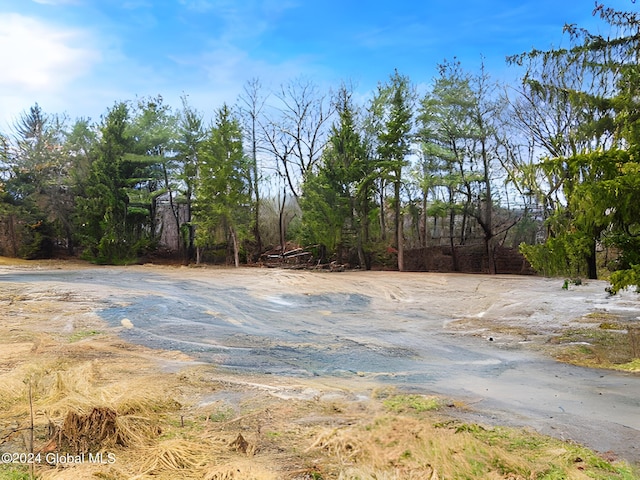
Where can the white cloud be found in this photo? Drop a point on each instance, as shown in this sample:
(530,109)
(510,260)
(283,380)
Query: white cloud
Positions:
(81,72)
(38,57)
(224,68)
(40,62)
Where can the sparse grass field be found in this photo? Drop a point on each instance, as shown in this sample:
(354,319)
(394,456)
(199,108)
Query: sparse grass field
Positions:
(605,341)
(157,427)
(156,415)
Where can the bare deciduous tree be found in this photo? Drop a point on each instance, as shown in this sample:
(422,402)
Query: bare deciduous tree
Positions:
(297,132)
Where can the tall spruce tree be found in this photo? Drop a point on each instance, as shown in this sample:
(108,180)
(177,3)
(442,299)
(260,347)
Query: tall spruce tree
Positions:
(188,143)
(103,212)
(222,196)
(153,164)
(335,199)
(36,180)
(394,104)
(445,130)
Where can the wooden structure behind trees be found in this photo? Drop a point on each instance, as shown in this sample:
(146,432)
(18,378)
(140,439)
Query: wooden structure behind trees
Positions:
(471,259)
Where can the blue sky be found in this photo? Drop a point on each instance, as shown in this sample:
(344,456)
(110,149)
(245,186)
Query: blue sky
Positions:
(81,56)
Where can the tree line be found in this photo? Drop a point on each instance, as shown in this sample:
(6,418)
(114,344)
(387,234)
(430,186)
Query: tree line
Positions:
(550,163)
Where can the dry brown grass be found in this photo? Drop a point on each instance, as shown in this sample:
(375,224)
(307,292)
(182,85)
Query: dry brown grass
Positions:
(412,448)
(243,469)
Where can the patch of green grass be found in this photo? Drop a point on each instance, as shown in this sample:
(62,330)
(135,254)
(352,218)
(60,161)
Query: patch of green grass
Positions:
(602,316)
(608,346)
(508,470)
(592,335)
(12,472)
(445,424)
(406,454)
(411,403)
(553,473)
(82,334)
(529,445)
(585,350)
(463,451)
(571,281)
(478,468)
(632,366)
(222,415)
(471,428)
(611,326)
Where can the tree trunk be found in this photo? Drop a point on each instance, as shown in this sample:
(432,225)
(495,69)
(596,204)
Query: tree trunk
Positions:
(454,254)
(190,237)
(13,236)
(424,227)
(383,223)
(356,226)
(174,208)
(256,186)
(452,228)
(70,244)
(490,251)
(592,267)
(362,259)
(363,238)
(488,212)
(281,221)
(400,244)
(399,234)
(236,250)
(256,228)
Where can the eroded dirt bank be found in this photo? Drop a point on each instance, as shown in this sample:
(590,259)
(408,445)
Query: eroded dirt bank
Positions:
(334,345)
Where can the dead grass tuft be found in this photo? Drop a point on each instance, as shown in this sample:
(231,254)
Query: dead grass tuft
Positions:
(242,446)
(239,470)
(173,456)
(91,432)
(337,442)
(83,472)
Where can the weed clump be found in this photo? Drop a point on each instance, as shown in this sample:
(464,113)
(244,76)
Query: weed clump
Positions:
(411,403)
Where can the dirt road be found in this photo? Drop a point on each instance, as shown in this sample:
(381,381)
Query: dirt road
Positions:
(477,339)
